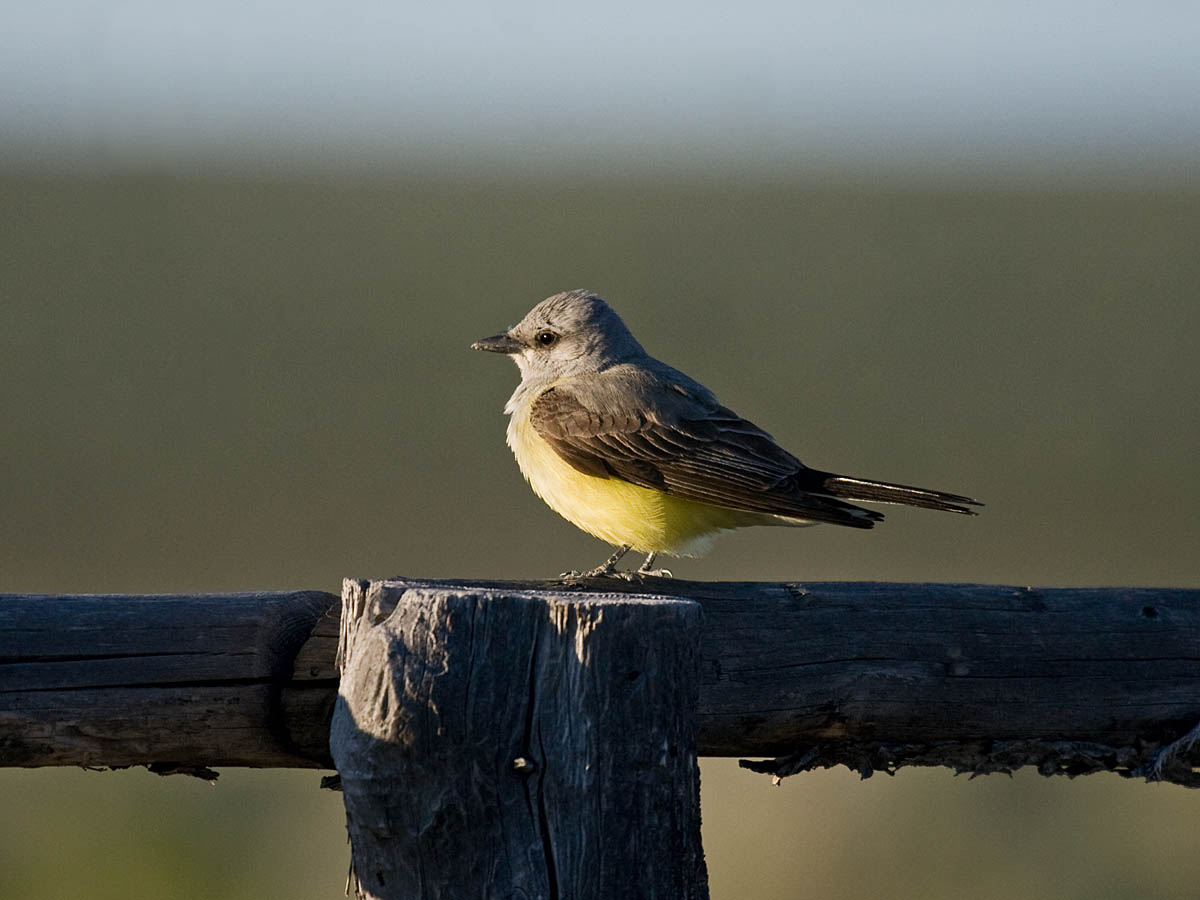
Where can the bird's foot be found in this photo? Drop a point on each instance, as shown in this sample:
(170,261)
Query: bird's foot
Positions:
(608,570)
(599,572)
(577,577)
(645,570)
(653,573)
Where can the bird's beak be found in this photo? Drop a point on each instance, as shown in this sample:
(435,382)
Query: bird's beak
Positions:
(499,343)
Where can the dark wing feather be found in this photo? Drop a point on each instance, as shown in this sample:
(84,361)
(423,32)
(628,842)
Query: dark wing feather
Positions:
(679,444)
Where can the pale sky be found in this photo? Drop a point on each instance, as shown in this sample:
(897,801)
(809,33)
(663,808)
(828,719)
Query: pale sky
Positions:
(1055,82)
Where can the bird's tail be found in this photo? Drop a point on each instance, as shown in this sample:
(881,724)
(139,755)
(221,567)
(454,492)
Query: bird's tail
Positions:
(881,492)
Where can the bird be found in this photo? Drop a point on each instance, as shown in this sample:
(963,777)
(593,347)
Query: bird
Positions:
(643,457)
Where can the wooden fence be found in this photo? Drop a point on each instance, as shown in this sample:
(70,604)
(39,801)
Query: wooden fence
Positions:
(498,739)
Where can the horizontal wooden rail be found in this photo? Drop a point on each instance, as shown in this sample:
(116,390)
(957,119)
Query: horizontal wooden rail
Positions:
(977,677)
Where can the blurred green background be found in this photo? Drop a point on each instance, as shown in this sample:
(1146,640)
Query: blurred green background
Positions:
(243,256)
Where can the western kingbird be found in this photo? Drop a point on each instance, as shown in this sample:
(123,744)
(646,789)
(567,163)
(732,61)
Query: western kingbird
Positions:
(641,456)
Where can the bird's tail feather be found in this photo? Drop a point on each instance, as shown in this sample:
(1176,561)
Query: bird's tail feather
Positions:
(881,492)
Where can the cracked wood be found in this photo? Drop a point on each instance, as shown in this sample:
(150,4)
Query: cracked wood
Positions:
(232,680)
(498,743)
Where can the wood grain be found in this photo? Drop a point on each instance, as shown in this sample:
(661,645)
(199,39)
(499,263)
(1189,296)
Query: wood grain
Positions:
(872,675)
(171,681)
(498,743)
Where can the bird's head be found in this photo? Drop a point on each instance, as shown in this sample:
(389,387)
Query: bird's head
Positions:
(572,333)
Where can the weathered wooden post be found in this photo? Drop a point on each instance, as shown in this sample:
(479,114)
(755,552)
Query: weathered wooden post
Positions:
(511,744)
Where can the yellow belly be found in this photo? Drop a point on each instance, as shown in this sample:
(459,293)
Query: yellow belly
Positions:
(616,511)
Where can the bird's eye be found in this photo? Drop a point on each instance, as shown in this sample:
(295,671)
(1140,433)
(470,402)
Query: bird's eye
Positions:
(546,338)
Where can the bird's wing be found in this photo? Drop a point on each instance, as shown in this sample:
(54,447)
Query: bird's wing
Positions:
(670,435)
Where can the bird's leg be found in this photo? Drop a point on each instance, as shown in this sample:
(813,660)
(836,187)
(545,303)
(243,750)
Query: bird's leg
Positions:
(608,570)
(610,565)
(644,568)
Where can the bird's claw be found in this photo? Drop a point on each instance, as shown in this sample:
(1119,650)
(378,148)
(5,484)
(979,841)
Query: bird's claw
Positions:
(600,572)
(574,575)
(609,570)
